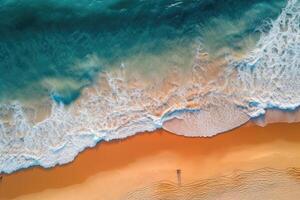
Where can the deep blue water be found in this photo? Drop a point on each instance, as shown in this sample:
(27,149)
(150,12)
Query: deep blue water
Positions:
(42,42)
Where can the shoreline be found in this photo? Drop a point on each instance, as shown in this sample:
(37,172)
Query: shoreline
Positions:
(275,115)
(157,155)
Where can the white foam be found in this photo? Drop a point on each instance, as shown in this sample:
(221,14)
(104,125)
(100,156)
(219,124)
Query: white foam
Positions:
(57,139)
(269,76)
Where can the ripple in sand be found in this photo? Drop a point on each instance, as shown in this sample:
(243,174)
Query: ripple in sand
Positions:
(263,183)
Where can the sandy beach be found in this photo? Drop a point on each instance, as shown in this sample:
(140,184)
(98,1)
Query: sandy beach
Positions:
(149,100)
(112,170)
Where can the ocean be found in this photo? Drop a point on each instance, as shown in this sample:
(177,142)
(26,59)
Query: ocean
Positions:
(76,73)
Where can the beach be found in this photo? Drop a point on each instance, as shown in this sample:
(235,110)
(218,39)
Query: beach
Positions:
(112,170)
(149,100)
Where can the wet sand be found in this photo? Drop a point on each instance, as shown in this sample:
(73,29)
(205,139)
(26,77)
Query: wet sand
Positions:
(113,169)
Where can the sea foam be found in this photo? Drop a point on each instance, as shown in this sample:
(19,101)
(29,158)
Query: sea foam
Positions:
(267,77)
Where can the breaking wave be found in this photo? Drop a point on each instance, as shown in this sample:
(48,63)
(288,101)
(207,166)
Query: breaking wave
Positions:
(117,107)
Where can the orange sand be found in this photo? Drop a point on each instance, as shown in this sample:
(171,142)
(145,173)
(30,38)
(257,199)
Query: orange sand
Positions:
(112,169)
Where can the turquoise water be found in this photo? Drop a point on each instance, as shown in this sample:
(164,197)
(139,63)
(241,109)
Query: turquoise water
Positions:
(195,68)
(42,42)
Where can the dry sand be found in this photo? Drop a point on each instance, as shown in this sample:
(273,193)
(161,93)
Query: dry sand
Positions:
(113,169)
